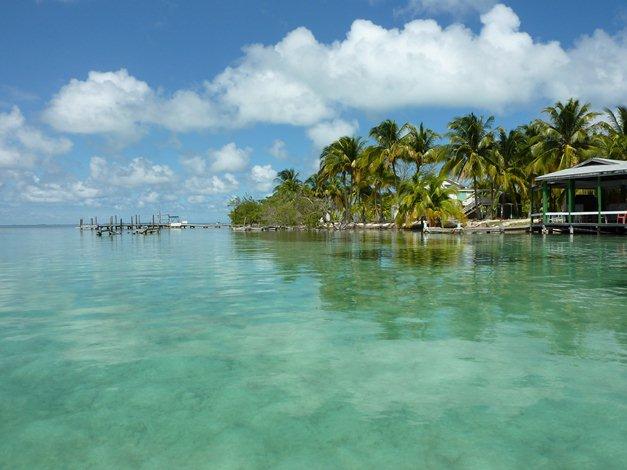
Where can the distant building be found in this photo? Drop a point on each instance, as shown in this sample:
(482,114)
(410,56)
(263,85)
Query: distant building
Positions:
(591,196)
(466,195)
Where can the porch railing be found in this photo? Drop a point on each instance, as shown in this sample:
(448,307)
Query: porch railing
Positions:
(588,217)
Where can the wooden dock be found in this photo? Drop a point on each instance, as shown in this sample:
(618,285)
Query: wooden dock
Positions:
(117,226)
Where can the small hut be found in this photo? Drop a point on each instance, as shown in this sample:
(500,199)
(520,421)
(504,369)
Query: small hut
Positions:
(591,196)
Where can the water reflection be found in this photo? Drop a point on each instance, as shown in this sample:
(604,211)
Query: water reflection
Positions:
(472,288)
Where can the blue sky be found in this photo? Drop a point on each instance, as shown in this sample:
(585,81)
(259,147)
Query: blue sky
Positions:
(120,107)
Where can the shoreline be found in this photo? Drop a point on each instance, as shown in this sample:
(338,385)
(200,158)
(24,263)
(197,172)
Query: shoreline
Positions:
(487,226)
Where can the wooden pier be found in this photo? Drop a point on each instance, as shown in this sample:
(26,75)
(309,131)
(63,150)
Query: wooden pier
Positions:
(116,225)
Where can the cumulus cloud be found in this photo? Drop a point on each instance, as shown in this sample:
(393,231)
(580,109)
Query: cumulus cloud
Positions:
(262,89)
(204,186)
(107,102)
(304,82)
(229,158)
(323,133)
(263,177)
(596,69)
(20,144)
(118,103)
(140,171)
(278,149)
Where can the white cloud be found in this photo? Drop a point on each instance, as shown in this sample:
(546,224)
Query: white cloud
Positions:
(20,144)
(422,64)
(187,111)
(322,134)
(596,70)
(263,177)
(140,171)
(278,149)
(118,103)
(196,165)
(261,89)
(229,158)
(58,192)
(199,186)
(304,82)
(107,102)
(150,197)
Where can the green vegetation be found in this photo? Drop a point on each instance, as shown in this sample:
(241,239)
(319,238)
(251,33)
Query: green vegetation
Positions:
(402,173)
(291,204)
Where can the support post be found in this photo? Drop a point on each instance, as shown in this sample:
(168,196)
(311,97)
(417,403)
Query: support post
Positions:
(571,200)
(545,201)
(599,200)
(531,204)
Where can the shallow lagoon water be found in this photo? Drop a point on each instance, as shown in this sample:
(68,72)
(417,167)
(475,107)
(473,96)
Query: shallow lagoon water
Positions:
(207,348)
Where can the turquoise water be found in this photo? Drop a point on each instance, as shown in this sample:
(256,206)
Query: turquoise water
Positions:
(207,348)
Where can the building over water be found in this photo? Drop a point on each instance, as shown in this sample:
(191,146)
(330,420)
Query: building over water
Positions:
(591,196)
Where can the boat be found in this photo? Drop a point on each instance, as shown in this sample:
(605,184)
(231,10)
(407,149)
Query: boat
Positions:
(174,221)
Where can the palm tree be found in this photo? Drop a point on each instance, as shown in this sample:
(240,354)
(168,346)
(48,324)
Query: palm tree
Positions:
(613,142)
(340,159)
(616,121)
(288,181)
(427,196)
(421,145)
(508,172)
(373,171)
(468,152)
(390,144)
(566,136)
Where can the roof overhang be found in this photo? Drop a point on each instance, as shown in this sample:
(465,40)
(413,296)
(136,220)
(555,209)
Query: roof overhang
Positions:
(595,167)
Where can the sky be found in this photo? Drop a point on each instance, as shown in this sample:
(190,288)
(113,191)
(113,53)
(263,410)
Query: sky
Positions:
(133,107)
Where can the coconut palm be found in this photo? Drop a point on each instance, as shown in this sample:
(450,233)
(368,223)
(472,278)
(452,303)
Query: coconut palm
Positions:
(373,171)
(340,159)
(508,171)
(468,152)
(616,121)
(420,145)
(287,180)
(612,143)
(390,147)
(566,137)
(427,196)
